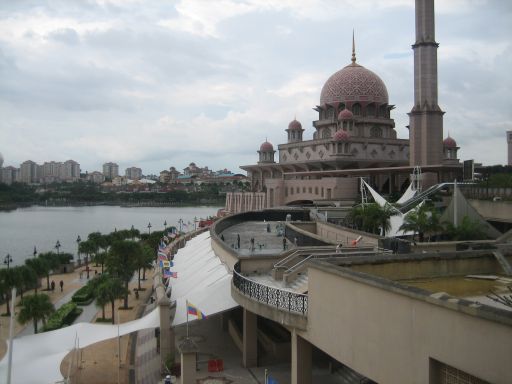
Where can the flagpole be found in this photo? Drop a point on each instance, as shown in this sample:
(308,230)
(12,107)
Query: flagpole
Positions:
(186,303)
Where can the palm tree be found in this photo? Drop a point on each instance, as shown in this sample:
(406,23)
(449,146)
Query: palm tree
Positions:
(39,266)
(371,217)
(109,291)
(122,262)
(35,308)
(144,261)
(423,220)
(52,261)
(7,282)
(28,279)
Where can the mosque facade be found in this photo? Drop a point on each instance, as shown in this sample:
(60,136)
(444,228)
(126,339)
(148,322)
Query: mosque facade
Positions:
(355,137)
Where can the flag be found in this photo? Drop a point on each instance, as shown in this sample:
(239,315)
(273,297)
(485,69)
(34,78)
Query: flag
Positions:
(166,264)
(193,310)
(173,235)
(166,239)
(168,273)
(161,253)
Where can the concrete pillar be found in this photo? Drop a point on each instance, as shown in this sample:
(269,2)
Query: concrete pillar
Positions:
(250,347)
(301,360)
(166,333)
(188,350)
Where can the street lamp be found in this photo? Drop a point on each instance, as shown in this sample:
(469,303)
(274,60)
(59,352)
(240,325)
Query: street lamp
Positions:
(78,240)
(195,222)
(180,222)
(165,225)
(149,228)
(8,260)
(57,246)
(35,251)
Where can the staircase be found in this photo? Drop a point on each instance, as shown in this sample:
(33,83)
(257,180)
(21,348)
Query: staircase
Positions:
(300,284)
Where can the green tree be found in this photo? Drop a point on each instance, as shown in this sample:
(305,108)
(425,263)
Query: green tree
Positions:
(122,262)
(145,259)
(467,230)
(8,281)
(39,266)
(372,217)
(110,290)
(35,308)
(423,220)
(52,261)
(27,279)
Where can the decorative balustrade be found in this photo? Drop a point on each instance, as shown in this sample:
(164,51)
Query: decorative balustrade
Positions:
(279,298)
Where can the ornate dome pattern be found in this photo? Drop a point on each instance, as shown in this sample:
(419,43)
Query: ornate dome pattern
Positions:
(295,125)
(449,142)
(341,136)
(354,83)
(266,147)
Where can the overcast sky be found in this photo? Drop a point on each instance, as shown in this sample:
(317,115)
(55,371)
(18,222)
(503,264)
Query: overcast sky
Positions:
(156,84)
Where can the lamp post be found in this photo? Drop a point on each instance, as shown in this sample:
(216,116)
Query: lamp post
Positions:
(180,222)
(57,246)
(149,228)
(78,240)
(8,260)
(165,225)
(132,229)
(35,251)
(195,222)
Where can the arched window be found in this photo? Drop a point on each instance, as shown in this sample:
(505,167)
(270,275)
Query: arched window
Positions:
(356,109)
(330,112)
(383,111)
(376,132)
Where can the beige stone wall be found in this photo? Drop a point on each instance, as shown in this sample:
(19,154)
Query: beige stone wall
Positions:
(390,337)
(493,210)
(337,234)
(328,188)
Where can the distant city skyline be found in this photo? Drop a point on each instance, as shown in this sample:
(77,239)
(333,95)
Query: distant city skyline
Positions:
(165,84)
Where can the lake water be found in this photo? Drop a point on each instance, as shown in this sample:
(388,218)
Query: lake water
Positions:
(24,228)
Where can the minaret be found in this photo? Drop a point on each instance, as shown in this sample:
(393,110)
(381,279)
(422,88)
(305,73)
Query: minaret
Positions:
(426,117)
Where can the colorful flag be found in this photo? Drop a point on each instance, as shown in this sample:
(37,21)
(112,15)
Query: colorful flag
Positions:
(166,263)
(168,273)
(193,310)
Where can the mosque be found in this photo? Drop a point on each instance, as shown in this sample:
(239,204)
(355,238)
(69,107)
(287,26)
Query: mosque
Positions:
(355,137)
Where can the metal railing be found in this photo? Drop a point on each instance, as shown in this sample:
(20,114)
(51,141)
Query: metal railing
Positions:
(275,297)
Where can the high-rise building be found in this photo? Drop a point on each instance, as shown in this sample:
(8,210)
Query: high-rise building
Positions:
(70,171)
(9,175)
(133,173)
(95,177)
(509,141)
(110,170)
(29,172)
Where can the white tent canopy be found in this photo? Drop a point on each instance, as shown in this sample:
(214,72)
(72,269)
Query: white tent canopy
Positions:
(203,280)
(37,358)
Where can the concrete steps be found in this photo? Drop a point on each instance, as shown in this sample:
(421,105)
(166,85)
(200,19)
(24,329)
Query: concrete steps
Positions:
(300,284)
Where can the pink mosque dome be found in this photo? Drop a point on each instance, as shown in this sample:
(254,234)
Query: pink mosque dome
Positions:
(345,115)
(341,136)
(266,147)
(295,125)
(449,142)
(354,83)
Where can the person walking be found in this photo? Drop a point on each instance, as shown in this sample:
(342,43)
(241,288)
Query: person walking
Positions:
(238,240)
(284,243)
(61,286)
(52,285)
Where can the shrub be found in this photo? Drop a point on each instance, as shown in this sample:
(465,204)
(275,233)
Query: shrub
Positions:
(65,315)
(83,296)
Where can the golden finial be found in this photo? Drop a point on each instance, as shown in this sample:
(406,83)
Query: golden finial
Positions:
(353,48)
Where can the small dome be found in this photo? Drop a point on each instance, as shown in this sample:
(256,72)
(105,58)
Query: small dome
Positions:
(266,147)
(341,136)
(345,115)
(449,143)
(295,125)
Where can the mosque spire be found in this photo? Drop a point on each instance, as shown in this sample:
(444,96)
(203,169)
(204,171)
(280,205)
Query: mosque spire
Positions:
(353,48)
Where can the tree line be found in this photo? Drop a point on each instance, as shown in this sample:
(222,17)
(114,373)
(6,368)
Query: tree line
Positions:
(119,254)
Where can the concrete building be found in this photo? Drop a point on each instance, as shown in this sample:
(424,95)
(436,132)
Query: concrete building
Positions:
(509,148)
(355,137)
(133,173)
(110,170)
(29,172)
(9,175)
(70,171)
(95,177)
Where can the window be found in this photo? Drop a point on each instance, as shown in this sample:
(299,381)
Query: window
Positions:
(376,132)
(356,109)
(370,110)
(326,134)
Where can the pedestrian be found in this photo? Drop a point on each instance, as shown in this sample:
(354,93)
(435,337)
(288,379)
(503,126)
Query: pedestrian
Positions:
(222,237)
(268,227)
(168,379)
(338,248)
(61,286)
(81,273)
(238,240)
(295,241)
(53,285)
(284,243)
(252,244)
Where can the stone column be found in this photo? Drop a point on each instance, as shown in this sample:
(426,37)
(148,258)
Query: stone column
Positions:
(250,334)
(301,360)
(166,333)
(188,350)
